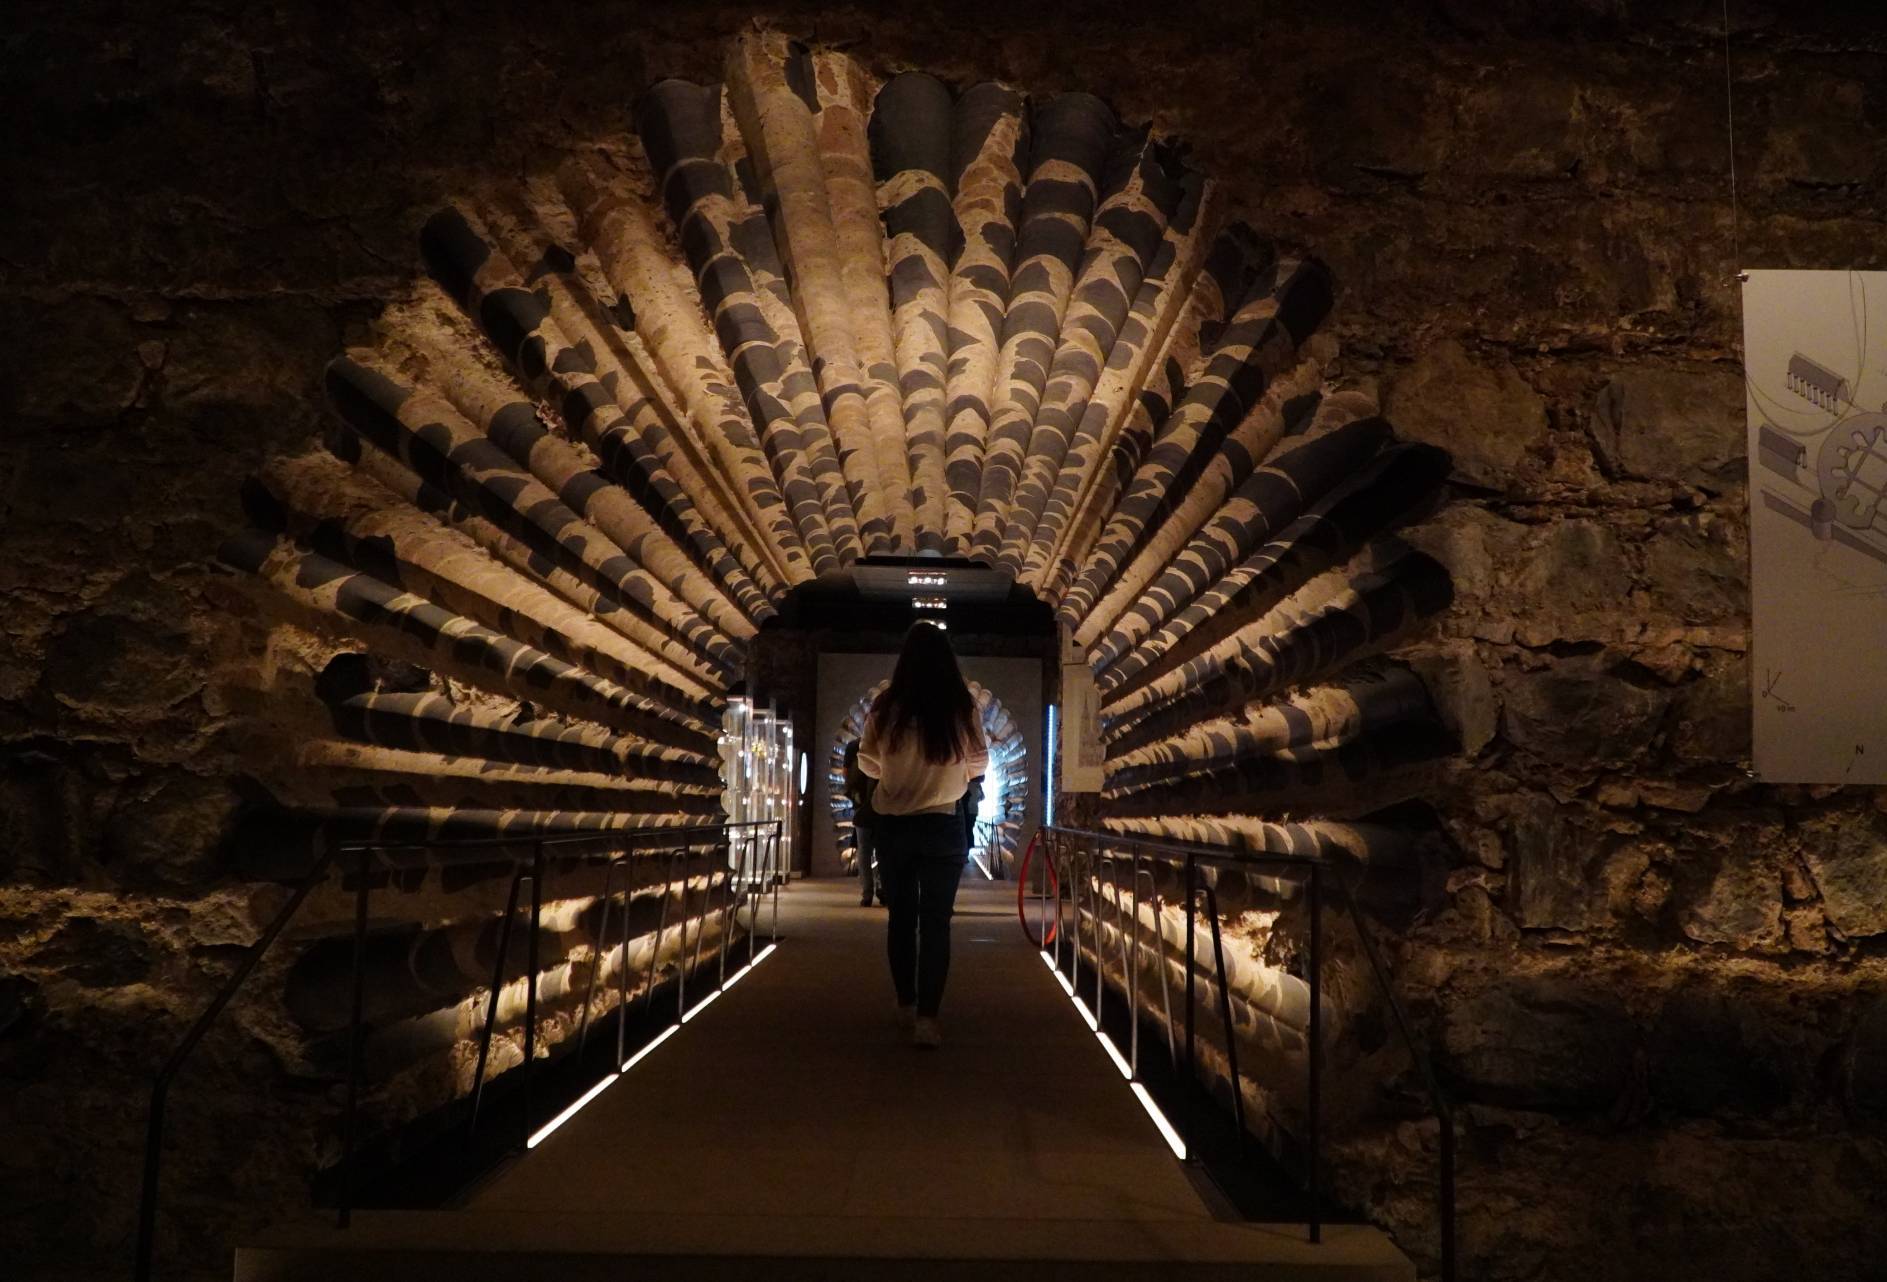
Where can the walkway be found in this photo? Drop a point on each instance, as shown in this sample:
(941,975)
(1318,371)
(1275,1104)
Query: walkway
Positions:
(788,1132)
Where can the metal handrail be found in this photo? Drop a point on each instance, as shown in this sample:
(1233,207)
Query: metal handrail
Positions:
(988,839)
(544,849)
(1314,869)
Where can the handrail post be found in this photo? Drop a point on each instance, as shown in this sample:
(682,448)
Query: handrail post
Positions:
(1103,866)
(661,930)
(750,891)
(1314,874)
(1095,905)
(530,991)
(730,904)
(491,1003)
(1225,1016)
(686,855)
(145,1260)
(1077,869)
(1446,1196)
(774,862)
(1065,881)
(631,875)
(707,904)
(1048,856)
(1159,959)
(1133,993)
(362,890)
(602,943)
(1444,1115)
(1315,1124)
(1192,1071)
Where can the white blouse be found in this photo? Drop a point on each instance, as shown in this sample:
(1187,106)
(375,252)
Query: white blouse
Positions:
(907,783)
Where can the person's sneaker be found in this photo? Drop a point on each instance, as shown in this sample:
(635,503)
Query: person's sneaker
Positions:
(928,1034)
(907,1018)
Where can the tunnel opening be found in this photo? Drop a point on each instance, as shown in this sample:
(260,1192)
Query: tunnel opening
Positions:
(608,497)
(1002,799)
(831,648)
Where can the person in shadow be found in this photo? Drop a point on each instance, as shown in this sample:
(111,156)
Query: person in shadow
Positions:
(858,789)
(923,743)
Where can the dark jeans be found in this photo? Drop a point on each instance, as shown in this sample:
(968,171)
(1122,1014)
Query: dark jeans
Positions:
(920,860)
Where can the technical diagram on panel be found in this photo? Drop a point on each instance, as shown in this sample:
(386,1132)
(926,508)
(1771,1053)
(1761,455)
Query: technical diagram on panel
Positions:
(1836,475)
(1815,356)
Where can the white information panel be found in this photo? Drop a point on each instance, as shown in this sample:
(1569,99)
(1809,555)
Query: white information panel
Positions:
(1083,758)
(1815,351)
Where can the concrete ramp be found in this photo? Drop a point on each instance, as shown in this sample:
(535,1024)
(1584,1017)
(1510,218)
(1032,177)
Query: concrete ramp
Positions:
(788,1132)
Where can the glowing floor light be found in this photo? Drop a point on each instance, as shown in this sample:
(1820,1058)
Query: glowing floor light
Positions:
(1171,1136)
(700,1006)
(738,975)
(645,1052)
(1173,1141)
(1066,986)
(543,1132)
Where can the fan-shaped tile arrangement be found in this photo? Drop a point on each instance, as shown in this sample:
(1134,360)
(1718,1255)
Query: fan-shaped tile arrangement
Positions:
(803,317)
(1008,775)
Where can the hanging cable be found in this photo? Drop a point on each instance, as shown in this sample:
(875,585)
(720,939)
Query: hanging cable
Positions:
(1729,115)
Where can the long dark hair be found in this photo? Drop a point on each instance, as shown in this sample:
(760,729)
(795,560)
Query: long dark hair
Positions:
(928,693)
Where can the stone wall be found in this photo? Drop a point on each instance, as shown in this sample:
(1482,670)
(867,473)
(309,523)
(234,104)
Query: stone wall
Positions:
(1654,984)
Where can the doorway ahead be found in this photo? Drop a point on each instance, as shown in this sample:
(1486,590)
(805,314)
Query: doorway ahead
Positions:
(846,679)
(1006,785)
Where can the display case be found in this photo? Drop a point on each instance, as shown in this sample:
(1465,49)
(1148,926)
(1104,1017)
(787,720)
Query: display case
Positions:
(758,777)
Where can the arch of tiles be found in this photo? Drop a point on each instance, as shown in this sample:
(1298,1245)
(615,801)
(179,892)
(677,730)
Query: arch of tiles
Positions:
(796,319)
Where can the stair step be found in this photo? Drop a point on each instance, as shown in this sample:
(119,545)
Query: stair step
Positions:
(406,1246)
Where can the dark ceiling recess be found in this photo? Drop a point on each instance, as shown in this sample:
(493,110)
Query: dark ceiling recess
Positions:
(886,594)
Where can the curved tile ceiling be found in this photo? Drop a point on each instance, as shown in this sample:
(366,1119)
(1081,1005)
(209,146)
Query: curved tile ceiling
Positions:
(800,318)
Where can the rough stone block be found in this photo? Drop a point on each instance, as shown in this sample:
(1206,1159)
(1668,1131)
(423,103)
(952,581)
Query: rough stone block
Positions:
(1673,424)
(1549,879)
(168,833)
(134,656)
(1458,683)
(1712,716)
(1526,128)
(93,339)
(1476,546)
(1546,1042)
(1697,571)
(1480,411)
(1576,713)
(1740,905)
(1713,1053)
(1866,1061)
(96,954)
(1847,856)
(1576,566)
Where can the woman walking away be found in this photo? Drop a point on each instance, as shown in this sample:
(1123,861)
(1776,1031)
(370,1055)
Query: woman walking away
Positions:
(923,744)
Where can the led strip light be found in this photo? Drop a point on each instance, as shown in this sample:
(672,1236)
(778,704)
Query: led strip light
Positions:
(1167,1131)
(543,1132)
